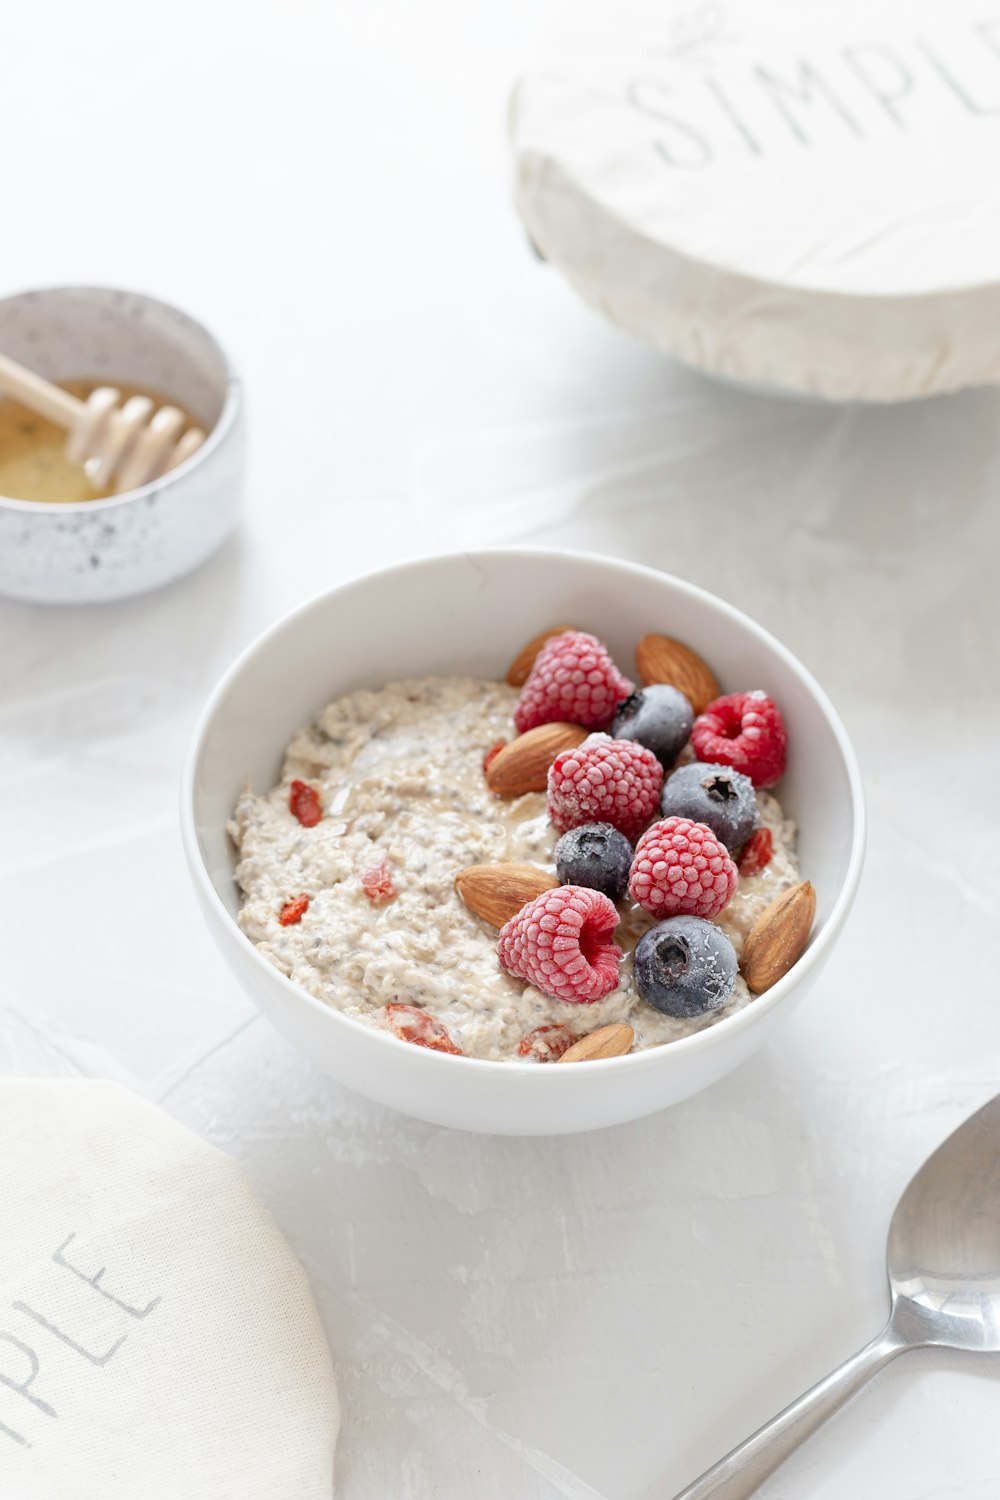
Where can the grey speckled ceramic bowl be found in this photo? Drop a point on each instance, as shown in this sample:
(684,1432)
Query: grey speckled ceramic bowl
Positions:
(108,549)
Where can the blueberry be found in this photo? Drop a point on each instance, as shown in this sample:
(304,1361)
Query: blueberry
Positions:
(721,798)
(685,967)
(659,717)
(597,856)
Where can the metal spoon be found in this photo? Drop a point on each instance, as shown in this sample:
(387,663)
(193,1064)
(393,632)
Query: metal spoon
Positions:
(943,1258)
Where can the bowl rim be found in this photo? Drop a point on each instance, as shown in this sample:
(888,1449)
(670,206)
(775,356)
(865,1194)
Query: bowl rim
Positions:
(648,1057)
(231,403)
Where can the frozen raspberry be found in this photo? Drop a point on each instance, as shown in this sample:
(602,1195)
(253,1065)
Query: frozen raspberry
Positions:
(745,731)
(757,852)
(573,681)
(304,803)
(411,1024)
(680,866)
(561,943)
(376,882)
(545,1043)
(293,911)
(605,781)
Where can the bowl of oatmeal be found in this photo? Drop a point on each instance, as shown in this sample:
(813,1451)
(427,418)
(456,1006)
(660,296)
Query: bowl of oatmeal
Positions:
(386,835)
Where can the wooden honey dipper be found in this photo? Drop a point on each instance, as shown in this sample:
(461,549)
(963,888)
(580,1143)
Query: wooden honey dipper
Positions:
(118,444)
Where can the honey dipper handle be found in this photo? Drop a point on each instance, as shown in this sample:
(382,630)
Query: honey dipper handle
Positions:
(39,394)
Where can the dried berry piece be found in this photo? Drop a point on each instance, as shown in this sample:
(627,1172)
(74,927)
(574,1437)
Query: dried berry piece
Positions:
(758,851)
(293,911)
(376,882)
(545,1043)
(414,1025)
(304,804)
(492,754)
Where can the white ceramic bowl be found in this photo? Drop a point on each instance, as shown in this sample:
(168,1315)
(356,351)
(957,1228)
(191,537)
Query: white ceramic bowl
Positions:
(471,613)
(108,549)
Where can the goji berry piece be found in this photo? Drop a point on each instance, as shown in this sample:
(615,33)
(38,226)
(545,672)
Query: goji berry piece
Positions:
(414,1025)
(758,852)
(492,754)
(545,1043)
(376,882)
(293,911)
(304,804)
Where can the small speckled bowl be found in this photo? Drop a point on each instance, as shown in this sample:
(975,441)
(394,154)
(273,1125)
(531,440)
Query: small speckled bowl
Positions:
(108,549)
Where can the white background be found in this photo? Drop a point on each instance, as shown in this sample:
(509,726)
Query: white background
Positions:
(512,1319)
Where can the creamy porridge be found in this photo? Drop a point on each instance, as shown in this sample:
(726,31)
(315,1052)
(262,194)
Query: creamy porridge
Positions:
(399,772)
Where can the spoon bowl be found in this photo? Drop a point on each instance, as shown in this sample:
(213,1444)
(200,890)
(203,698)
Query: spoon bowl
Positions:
(943,1259)
(943,1253)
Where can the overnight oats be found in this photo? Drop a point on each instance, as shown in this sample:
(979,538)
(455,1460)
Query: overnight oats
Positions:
(551,868)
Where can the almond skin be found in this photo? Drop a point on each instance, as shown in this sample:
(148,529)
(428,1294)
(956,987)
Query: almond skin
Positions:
(520,668)
(778,937)
(523,765)
(607,1041)
(497,892)
(659,658)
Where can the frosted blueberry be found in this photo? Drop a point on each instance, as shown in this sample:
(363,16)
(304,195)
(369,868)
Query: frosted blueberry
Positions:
(721,798)
(685,967)
(658,717)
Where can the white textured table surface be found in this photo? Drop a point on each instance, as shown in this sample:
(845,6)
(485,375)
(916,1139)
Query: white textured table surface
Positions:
(512,1320)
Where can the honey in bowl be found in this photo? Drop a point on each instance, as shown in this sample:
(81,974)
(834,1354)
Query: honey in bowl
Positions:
(33,462)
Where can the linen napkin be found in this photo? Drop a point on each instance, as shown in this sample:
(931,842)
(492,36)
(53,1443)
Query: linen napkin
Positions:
(157,1337)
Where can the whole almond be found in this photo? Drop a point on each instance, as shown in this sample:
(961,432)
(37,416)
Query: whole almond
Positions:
(778,937)
(520,668)
(659,658)
(607,1041)
(497,892)
(523,765)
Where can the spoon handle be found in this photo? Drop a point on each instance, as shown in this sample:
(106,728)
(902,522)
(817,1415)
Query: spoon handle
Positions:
(744,1469)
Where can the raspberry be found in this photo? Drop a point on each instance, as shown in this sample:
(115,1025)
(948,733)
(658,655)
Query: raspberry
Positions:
(680,867)
(605,781)
(573,681)
(376,882)
(561,943)
(757,852)
(414,1025)
(545,1043)
(304,803)
(745,731)
(293,911)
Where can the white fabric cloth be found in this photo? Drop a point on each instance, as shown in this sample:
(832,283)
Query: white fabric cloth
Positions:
(158,1341)
(782,191)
